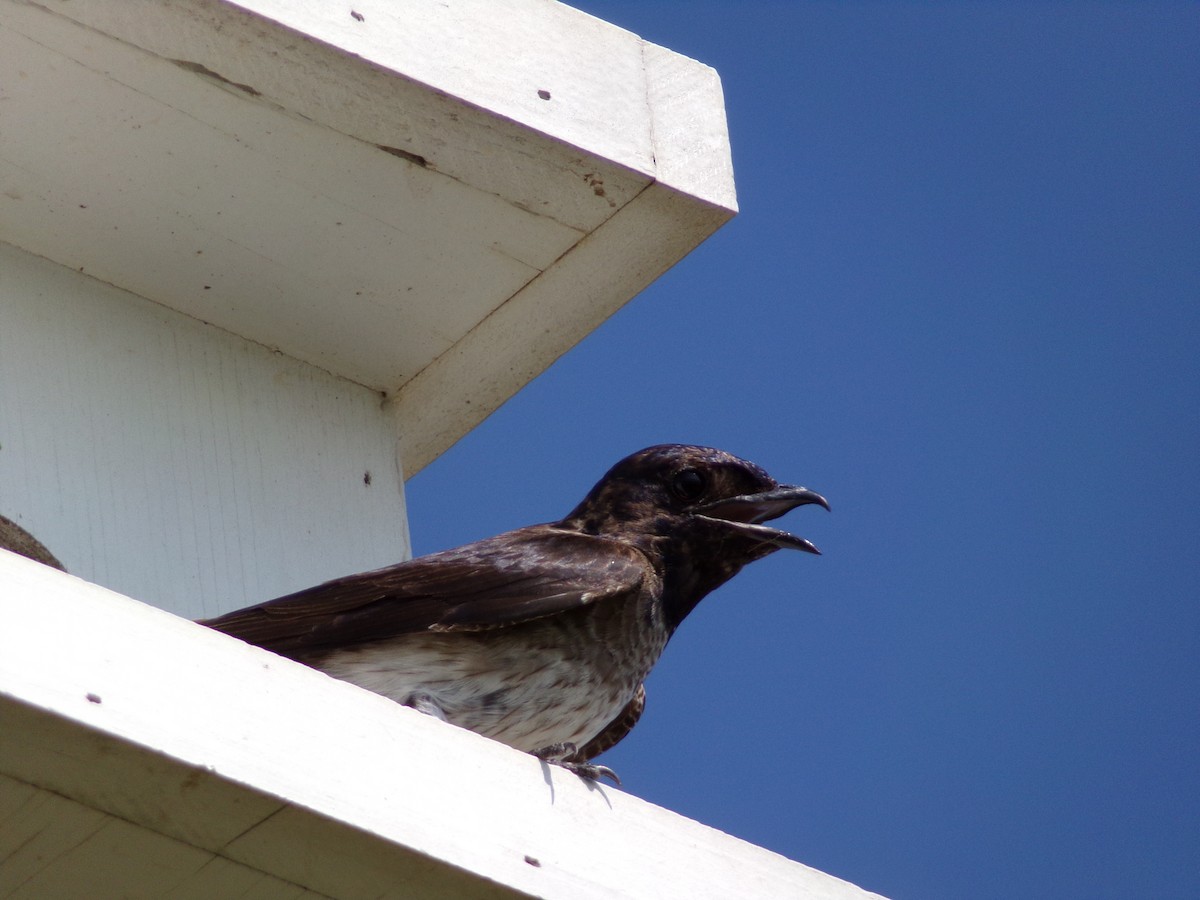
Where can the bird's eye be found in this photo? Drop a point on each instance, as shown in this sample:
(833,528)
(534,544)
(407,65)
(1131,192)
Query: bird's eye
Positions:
(688,485)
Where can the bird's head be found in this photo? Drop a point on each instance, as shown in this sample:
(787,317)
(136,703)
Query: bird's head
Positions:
(700,513)
(698,493)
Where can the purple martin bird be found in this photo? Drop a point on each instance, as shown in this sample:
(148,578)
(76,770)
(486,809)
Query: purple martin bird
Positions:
(542,637)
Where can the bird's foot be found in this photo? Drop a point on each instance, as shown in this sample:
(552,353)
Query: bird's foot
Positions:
(561,754)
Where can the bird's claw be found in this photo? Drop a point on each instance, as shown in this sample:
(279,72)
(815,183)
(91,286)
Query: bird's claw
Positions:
(560,755)
(591,771)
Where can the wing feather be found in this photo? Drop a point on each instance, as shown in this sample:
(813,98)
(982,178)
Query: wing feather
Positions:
(505,580)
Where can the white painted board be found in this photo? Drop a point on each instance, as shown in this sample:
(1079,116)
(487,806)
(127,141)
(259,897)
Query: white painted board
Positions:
(418,190)
(262,762)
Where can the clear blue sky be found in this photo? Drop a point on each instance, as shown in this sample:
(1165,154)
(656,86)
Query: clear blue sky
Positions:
(962,299)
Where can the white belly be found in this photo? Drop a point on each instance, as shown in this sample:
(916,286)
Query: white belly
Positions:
(528,686)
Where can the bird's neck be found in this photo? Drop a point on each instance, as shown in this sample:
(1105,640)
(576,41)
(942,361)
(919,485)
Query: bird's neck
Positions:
(690,574)
(692,558)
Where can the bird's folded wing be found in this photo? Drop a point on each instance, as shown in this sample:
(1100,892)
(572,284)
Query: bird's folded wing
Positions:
(511,578)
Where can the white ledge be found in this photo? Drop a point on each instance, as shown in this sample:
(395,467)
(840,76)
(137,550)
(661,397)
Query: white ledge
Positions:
(141,752)
(429,199)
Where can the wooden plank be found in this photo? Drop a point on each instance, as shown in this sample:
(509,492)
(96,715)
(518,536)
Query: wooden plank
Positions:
(459,389)
(364,193)
(691,137)
(242,214)
(365,793)
(456,84)
(52,847)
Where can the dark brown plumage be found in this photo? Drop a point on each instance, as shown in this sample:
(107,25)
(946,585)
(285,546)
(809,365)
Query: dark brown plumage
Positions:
(542,637)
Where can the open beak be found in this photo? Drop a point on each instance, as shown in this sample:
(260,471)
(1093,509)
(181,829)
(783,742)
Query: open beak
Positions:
(747,513)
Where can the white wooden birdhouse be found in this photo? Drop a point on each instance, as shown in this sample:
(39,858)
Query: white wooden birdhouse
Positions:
(259,262)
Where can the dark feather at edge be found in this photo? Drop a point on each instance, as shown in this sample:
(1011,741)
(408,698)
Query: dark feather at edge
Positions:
(514,577)
(616,730)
